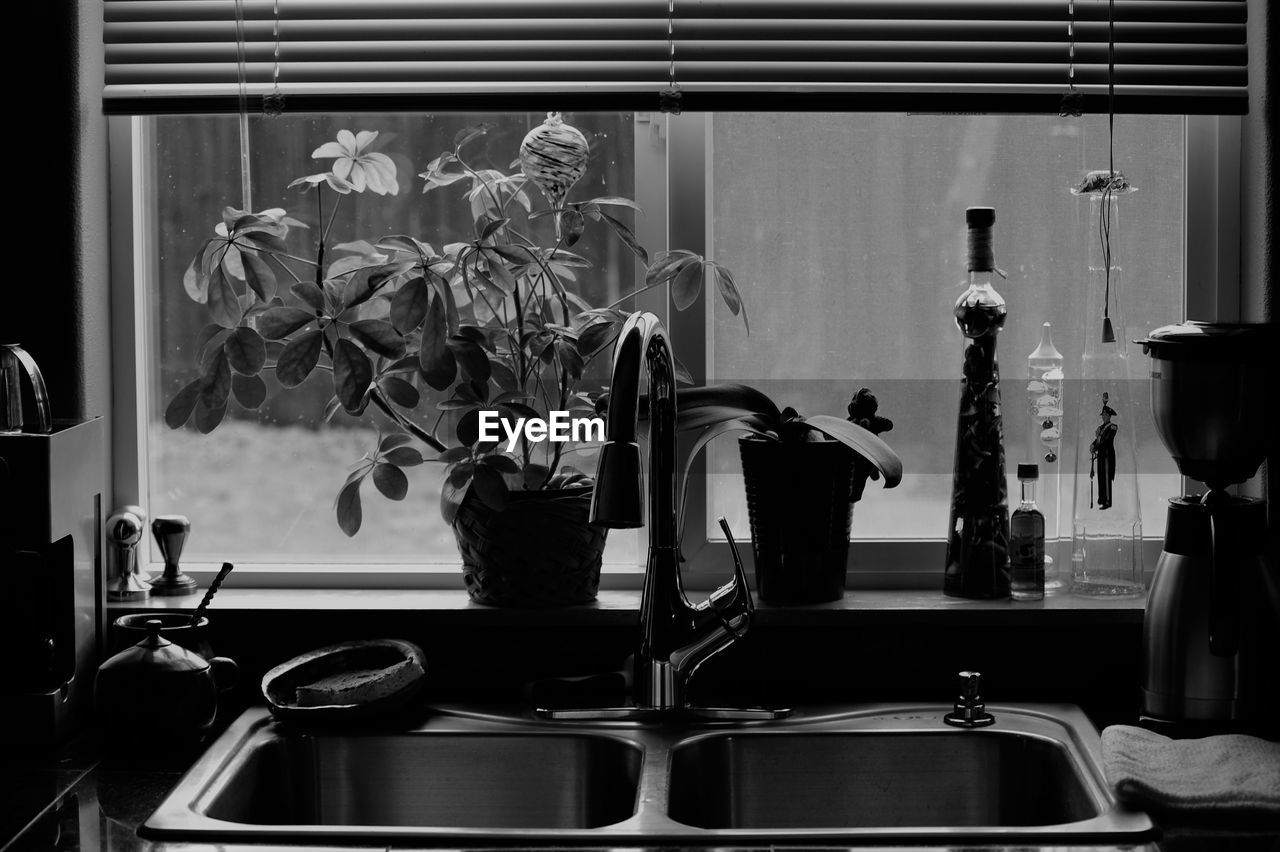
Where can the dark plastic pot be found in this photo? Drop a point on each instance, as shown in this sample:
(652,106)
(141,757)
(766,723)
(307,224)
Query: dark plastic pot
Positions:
(798,504)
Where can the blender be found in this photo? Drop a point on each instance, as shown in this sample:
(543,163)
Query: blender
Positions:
(1211,632)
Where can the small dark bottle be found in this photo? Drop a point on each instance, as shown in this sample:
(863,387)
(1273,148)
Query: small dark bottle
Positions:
(1026,540)
(978,533)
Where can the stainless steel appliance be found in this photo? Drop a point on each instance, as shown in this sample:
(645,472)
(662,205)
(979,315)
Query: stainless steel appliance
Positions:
(1211,636)
(52,479)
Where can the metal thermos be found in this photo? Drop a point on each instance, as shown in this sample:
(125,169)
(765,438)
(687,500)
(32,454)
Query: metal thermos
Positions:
(1211,633)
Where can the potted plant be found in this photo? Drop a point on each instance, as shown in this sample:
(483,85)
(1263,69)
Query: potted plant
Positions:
(494,322)
(802,476)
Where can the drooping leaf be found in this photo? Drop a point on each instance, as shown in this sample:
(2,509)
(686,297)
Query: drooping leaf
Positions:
(468,428)
(299,358)
(728,290)
(490,487)
(451,497)
(501,463)
(749,426)
(352,374)
(196,279)
(686,286)
(492,228)
(572,225)
(501,373)
(393,440)
(862,441)
(435,359)
(223,303)
(402,393)
(470,357)
(179,409)
(249,391)
(668,265)
(627,236)
(570,360)
(409,304)
(390,480)
(278,323)
(350,514)
(246,351)
(207,419)
(404,457)
(308,292)
(454,454)
(378,336)
(216,382)
(258,275)
(617,201)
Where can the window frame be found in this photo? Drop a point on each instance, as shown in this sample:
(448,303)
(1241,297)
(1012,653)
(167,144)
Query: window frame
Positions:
(674,182)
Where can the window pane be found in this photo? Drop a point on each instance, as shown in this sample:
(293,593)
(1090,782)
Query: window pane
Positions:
(846,234)
(261,487)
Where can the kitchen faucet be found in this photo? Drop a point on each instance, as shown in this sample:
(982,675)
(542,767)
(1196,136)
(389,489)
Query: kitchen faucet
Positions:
(676,636)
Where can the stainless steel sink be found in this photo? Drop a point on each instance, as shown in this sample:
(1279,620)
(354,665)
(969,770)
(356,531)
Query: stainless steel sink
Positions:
(870,774)
(865,780)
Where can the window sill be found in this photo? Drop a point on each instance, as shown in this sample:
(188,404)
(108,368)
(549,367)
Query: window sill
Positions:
(620,607)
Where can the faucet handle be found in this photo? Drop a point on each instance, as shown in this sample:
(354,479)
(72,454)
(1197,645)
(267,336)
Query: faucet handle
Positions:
(739,573)
(969,710)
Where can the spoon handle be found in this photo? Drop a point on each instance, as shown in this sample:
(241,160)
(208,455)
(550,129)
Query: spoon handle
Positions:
(213,590)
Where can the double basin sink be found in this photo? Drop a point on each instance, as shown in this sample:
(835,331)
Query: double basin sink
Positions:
(866,773)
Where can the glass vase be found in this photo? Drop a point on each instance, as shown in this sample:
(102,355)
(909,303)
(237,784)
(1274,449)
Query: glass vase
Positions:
(1106,526)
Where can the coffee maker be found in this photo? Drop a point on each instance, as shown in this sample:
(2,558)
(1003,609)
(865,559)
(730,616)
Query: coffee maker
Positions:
(1211,633)
(52,480)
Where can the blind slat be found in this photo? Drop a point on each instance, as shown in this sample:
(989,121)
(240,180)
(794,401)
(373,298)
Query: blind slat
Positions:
(987,55)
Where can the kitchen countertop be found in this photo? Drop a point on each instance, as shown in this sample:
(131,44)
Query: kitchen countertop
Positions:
(96,805)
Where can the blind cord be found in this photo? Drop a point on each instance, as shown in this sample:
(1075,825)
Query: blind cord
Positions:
(670,97)
(246,182)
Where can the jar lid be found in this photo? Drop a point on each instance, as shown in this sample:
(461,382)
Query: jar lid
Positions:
(1028,471)
(1212,341)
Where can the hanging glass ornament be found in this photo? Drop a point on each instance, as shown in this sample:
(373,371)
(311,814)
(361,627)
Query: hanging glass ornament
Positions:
(1106,529)
(554,156)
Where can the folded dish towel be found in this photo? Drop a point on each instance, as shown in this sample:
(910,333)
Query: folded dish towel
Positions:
(1226,774)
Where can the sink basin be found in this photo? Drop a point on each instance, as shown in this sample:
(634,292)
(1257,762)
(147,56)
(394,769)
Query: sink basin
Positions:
(468,780)
(838,775)
(863,780)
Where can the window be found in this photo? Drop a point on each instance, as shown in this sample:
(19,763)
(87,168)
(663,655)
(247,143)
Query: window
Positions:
(845,233)
(851,257)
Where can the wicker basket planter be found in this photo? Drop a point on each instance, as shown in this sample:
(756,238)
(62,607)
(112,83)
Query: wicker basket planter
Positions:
(798,505)
(539,551)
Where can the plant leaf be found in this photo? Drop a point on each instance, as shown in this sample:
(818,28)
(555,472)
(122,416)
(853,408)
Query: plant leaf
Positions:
(390,480)
(352,374)
(223,303)
(468,429)
(179,409)
(196,279)
(491,488)
(278,323)
(207,419)
(404,457)
(399,391)
(572,225)
(307,291)
(216,382)
(862,441)
(435,359)
(299,358)
(454,454)
(686,286)
(728,290)
(249,391)
(501,463)
(378,336)
(470,357)
(258,275)
(246,351)
(409,304)
(348,507)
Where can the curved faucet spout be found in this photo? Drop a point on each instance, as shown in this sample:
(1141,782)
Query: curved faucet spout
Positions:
(676,636)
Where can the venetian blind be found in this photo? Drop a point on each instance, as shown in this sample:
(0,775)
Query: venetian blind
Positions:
(1175,56)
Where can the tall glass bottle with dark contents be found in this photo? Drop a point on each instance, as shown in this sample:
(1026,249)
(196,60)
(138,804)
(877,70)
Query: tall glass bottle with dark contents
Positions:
(978,536)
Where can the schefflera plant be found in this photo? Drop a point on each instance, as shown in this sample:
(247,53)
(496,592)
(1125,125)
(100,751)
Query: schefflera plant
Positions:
(497,322)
